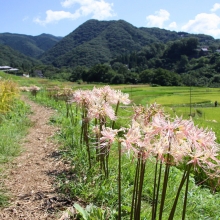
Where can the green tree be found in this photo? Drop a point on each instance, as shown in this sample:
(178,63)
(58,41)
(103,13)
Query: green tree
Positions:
(166,78)
(147,76)
(118,79)
(78,73)
(182,64)
(100,73)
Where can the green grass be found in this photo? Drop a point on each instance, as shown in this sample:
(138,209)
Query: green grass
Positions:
(91,187)
(172,95)
(13,127)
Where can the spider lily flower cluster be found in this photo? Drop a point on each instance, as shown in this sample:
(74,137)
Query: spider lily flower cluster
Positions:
(171,142)
(152,135)
(97,106)
(98,102)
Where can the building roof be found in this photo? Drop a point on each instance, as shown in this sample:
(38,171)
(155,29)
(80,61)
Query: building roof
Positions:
(13,69)
(8,68)
(5,67)
(204,49)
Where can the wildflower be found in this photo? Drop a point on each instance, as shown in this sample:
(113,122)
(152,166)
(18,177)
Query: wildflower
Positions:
(131,138)
(100,111)
(123,97)
(81,97)
(106,94)
(108,135)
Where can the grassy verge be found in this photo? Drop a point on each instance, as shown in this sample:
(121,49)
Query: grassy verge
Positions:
(13,128)
(90,187)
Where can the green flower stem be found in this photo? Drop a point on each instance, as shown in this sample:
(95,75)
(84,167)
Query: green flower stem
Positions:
(86,138)
(142,172)
(186,192)
(83,126)
(156,190)
(135,189)
(184,178)
(165,183)
(116,112)
(119,180)
(177,196)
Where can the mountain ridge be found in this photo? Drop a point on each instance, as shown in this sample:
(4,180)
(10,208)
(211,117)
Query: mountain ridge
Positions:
(32,46)
(96,42)
(93,42)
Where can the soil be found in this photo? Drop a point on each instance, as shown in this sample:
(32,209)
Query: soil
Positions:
(31,176)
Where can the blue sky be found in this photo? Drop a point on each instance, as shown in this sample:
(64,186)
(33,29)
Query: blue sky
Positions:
(60,17)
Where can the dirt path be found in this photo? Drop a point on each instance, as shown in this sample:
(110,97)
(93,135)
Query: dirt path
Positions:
(30,176)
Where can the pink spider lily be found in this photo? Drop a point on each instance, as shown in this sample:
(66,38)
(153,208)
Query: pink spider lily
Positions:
(108,135)
(101,111)
(81,97)
(122,97)
(131,138)
(106,94)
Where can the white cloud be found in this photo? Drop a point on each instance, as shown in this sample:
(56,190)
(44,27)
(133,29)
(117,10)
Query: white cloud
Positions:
(216,6)
(69,3)
(204,23)
(173,26)
(53,16)
(98,9)
(158,19)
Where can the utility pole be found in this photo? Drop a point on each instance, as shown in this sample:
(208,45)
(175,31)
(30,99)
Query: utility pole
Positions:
(190,100)
(190,96)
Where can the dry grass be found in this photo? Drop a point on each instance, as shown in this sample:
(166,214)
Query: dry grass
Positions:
(8,91)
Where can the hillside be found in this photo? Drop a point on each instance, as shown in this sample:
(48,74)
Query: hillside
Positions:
(97,42)
(32,46)
(93,42)
(13,58)
(117,52)
(165,36)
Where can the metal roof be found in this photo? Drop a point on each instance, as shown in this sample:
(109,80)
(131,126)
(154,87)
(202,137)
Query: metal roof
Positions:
(5,67)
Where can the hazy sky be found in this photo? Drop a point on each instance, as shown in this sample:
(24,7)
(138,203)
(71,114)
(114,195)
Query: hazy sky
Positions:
(60,17)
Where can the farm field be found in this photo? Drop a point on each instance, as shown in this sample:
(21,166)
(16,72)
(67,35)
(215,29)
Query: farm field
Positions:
(183,101)
(99,189)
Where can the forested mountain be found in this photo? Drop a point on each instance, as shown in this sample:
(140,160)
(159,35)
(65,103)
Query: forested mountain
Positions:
(97,42)
(94,42)
(13,58)
(118,52)
(32,46)
(165,36)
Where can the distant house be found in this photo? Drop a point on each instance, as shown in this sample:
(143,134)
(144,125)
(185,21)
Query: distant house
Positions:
(5,68)
(13,69)
(8,69)
(26,75)
(204,51)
